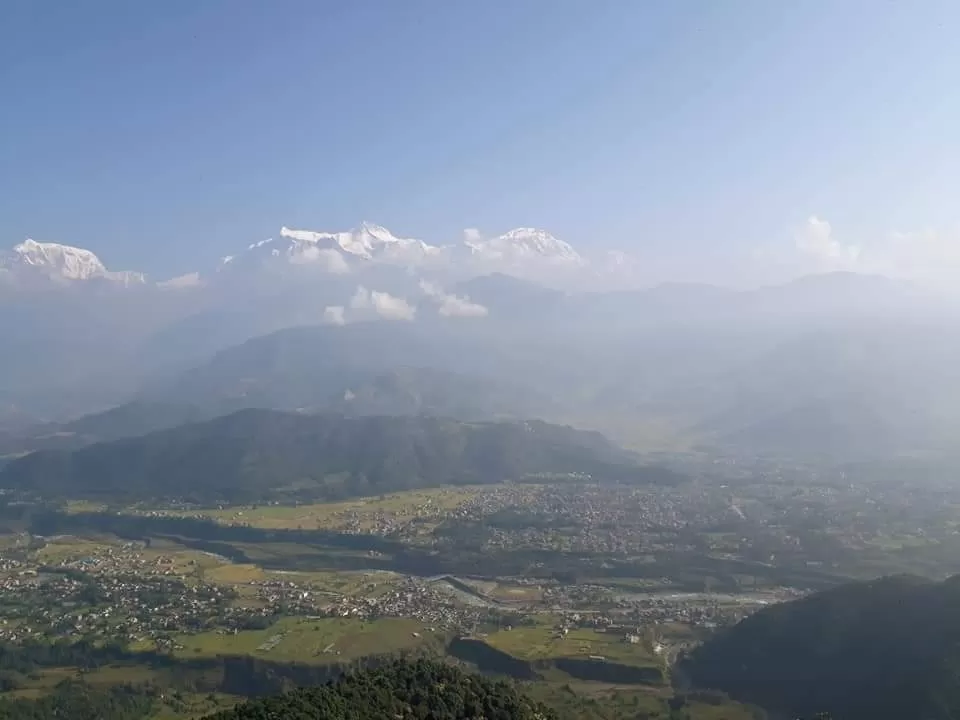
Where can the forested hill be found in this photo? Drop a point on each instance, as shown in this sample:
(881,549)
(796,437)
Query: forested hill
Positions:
(398,691)
(888,649)
(256,455)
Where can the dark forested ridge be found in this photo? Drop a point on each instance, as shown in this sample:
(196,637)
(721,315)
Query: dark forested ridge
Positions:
(422,689)
(888,649)
(259,454)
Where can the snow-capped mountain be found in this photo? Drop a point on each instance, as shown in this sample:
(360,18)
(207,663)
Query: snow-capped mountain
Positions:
(335,252)
(527,253)
(524,245)
(31,261)
(369,241)
(376,244)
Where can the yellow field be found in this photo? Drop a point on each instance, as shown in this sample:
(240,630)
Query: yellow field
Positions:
(83,506)
(516,593)
(321,640)
(161,557)
(234,574)
(542,642)
(363,513)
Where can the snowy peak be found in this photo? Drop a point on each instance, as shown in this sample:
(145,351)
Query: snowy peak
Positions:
(369,242)
(297,254)
(525,252)
(525,244)
(62,263)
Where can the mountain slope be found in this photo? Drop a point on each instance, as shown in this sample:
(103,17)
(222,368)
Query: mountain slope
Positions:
(404,391)
(306,367)
(882,650)
(425,391)
(847,391)
(260,454)
(421,689)
(127,420)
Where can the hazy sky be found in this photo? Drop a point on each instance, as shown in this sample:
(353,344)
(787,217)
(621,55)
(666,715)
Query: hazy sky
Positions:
(720,140)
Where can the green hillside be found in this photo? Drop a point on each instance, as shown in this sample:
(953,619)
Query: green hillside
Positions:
(888,649)
(257,455)
(399,690)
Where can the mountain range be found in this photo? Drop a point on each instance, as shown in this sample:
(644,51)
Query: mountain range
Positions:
(837,367)
(522,251)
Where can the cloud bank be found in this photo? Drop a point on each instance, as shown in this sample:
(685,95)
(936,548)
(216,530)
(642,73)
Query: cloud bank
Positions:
(928,257)
(815,240)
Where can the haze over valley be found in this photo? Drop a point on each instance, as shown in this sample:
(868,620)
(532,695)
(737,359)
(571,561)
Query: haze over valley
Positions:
(844,366)
(533,360)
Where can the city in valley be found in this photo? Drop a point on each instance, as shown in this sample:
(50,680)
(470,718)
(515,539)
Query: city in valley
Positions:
(561,581)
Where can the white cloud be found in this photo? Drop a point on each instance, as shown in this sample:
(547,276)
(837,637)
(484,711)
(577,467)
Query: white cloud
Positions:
(452,305)
(183,281)
(360,299)
(816,242)
(472,235)
(384,304)
(430,289)
(334,315)
(327,258)
(393,308)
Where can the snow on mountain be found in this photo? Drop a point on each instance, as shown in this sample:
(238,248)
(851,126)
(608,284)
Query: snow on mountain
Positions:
(31,260)
(523,245)
(334,252)
(62,260)
(369,242)
(525,252)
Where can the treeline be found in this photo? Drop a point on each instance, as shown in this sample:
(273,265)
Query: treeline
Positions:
(396,688)
(79,701)
(422,689)
(233,674)
(262,455)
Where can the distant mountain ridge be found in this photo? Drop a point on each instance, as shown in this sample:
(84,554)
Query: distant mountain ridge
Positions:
(256,455)
(838,393)
(839,367)
(406,391)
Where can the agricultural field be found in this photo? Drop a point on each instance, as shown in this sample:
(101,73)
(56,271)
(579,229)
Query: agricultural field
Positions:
(368,514)
(313,587)
(544,641)
(314,640)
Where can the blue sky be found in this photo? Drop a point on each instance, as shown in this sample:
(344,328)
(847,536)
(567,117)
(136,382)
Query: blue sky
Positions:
(699,136)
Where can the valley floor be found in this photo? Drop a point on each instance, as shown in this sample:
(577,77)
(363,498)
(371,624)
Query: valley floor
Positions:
(584,594)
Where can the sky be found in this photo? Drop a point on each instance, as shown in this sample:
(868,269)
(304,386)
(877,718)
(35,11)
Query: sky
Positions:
(731,141)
